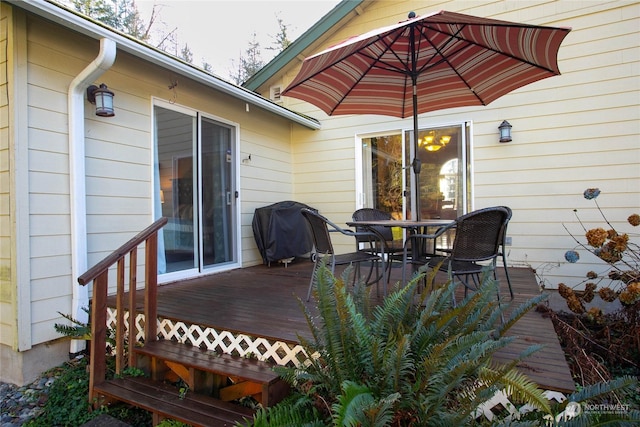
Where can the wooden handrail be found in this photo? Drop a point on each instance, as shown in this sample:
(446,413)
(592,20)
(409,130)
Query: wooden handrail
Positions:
(99,275)
(111,259)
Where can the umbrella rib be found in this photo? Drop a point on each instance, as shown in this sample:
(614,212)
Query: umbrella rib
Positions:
(338,60)
(375,61)
(443,58)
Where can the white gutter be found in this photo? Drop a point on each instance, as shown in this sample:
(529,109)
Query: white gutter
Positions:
(77,89)
(85,26)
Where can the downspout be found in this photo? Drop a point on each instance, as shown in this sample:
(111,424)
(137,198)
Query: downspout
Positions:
(77,89)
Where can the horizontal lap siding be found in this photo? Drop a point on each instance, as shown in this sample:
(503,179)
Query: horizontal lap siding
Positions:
(570,132)
(119,160)
(585,136)
(7,288)
(52,63)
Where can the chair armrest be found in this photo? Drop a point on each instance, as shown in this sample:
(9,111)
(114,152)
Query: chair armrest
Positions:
(439,232)
(372,235)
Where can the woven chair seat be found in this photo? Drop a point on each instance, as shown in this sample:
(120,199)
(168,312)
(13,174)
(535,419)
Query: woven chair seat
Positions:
(320,229)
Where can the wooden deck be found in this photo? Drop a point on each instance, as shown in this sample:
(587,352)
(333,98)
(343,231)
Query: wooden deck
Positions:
(263,301)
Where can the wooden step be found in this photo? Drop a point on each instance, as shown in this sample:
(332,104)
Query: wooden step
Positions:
(250,377)
(165,401)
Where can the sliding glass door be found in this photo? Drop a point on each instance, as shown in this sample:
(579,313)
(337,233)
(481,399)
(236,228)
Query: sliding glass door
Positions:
(195,190)
(388,182)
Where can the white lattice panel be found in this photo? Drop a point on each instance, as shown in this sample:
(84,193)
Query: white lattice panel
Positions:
(277,352)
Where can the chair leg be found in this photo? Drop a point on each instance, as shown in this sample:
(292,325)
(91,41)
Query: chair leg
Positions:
(313,275)
(506,273)
(495,276)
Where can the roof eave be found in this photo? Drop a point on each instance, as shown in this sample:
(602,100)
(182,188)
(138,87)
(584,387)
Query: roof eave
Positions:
(80,24)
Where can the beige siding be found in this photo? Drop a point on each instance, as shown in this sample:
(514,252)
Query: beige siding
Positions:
(7,290)
(119,160)
(570,132)
(50,69)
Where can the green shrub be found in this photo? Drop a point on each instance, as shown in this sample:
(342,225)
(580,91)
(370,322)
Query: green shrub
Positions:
(67,404)
(417,359)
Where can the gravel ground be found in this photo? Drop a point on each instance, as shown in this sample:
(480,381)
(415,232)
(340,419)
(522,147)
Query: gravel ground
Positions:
(21,404)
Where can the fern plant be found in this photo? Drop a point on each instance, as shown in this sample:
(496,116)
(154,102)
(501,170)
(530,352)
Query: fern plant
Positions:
(415,360)
(77,330)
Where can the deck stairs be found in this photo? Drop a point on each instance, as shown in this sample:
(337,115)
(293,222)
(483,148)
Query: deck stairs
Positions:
(182,382)
(209,383)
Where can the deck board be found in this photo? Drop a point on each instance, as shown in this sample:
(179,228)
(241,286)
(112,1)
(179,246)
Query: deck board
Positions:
(263,301)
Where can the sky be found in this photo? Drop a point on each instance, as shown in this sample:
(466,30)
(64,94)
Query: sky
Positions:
(219,31)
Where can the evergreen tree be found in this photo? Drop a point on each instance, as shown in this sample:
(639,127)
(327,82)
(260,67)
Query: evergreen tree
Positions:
(100,10)
(281,39)
(129,21)
(122,15)
(186,54)
(250,63)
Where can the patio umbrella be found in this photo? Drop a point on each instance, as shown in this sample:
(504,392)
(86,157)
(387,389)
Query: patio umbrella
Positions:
(427,63)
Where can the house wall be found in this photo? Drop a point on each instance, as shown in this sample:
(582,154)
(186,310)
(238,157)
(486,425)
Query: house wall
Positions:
(118,165)
(570,132)
(7,291)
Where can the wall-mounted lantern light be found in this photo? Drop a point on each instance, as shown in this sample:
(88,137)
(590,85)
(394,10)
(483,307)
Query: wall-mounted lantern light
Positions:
(103,98)
(505,131)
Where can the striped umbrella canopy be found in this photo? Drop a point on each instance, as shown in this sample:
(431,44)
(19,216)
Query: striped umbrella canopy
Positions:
(427,63)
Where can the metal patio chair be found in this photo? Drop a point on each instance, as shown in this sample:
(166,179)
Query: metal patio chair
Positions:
(393,248)
(476,246)
(321,229)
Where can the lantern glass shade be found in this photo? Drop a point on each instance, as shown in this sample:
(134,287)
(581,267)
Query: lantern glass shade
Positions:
(505,131)
(103,98)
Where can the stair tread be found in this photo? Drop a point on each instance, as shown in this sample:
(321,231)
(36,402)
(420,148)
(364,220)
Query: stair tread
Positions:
(205,360)
(163,399)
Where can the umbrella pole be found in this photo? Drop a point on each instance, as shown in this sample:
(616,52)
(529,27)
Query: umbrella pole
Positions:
(414,84)
(416,170)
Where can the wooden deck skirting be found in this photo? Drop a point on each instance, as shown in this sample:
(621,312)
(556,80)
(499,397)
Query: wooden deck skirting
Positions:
(262,302)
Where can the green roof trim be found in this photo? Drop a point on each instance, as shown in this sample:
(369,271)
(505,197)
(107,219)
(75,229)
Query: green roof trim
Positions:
(325,23)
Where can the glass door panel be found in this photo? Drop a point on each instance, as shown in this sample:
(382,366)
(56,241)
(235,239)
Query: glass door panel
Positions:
(441,179)
(175,138)
(382,173)
(218,194)
(194,183)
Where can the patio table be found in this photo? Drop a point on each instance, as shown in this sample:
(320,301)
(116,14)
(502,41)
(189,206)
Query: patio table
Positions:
(411,226)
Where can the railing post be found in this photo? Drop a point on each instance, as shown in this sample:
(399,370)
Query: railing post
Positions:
(133,284)
(120,309)
(151,289)
(98,346)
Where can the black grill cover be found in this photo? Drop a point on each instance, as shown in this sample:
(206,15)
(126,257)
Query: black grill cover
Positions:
(281,232)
